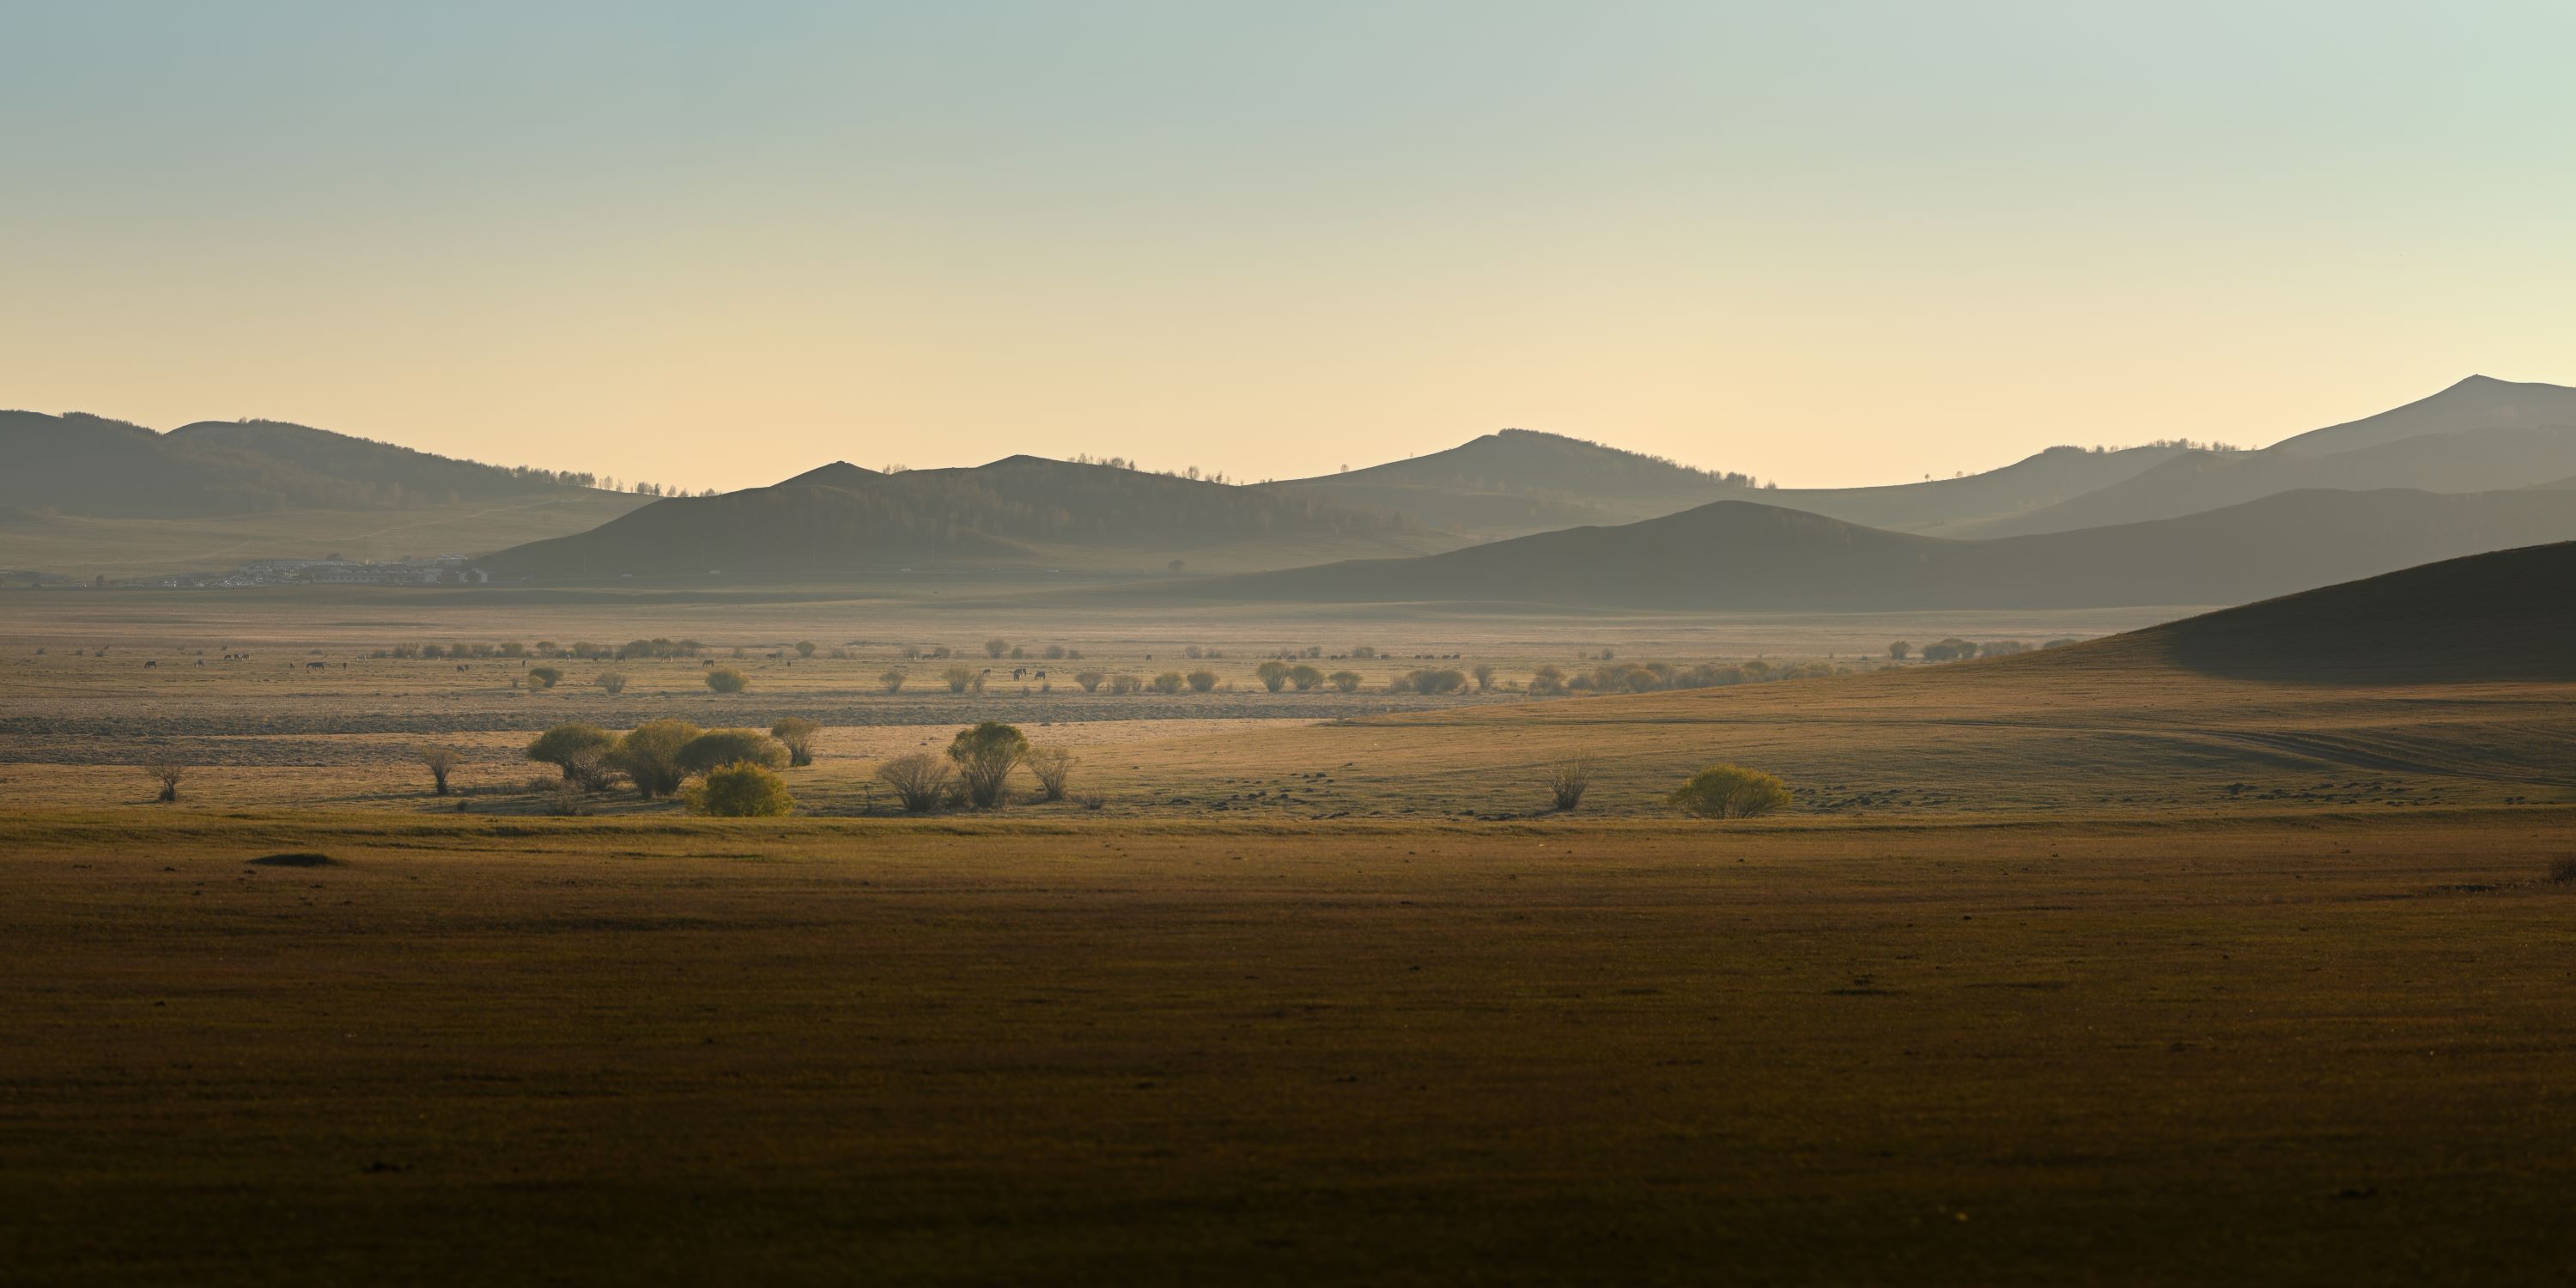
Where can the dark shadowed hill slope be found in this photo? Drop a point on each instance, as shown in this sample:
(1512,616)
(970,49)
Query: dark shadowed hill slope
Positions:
(1522,481)
(92,466)
(2478,435)
(842,518)
(2503,615)
(1738,556)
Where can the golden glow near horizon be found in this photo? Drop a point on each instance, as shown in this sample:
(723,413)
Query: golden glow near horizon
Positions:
(1825,248)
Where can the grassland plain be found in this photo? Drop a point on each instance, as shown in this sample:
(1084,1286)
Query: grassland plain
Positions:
(2310,1046)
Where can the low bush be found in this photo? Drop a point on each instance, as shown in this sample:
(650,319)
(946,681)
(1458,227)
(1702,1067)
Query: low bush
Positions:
(985,756)
(1346,681)
(1730,791)
(725,679)
(719,747)
(1053,767)
(649,755)
(740,790)
(1090,680)
(1201,681)
(612,681)
(544,677)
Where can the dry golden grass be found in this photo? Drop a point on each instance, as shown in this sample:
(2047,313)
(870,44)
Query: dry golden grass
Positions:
(2319,1048)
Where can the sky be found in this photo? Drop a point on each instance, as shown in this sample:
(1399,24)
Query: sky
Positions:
(1825,243)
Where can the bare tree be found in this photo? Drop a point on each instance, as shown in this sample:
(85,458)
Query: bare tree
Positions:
(1054,768)
(1567,780)
(441,761)
(797,734)
(921,780)
(167,773)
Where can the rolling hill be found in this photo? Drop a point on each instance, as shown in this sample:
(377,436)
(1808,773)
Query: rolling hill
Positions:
(1740,556)
(84,495)
(1519,481)
(1029,510)
(2479,435)
(89,465)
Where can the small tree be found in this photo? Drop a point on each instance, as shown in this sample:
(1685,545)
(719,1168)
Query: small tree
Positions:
(1484,673)
(1090,680)
(1898,651)
(725,679)
(996,647)
(796,734)
(1304,678)
(1201,681)
(1346,681)
(576,749)
(1168,682)
(1730,791)
(167,773)
(984,756)
(962,678)
(1273,675)
(920,780)
(1568,779)
(893,680)
(740,790)
(650,755)
(717,748)
(805,648)
(440,761)
(1054,768)
(544,677)
(613,681)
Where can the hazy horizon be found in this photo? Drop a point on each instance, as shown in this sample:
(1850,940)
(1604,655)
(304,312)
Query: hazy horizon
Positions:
(1826,247)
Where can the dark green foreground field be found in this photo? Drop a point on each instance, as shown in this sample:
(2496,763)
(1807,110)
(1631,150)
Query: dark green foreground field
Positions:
(2306,1047)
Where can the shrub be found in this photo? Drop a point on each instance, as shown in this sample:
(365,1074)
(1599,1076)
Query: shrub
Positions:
(1123,683)
(1273,675)
(2563,870)
(1304,678)
(740,790)
(1168,682)
(920,780)
(805,648)
(1091,800)
(1730,791)
(1547,681)
(1346,681)
(1567,780)
(573,748)
(962,678)
(893,680)
(796,734)
(1090,680)
(544,677)
(650,755)
(985,756)
(1484,673)
(613,681)
(1053,767)
(720,747)
(1201,681)
(1429,680)
(1364,652)
(440,761)
(725,679)
(1899,651)
(167,773)
(1054,652)
(996,647)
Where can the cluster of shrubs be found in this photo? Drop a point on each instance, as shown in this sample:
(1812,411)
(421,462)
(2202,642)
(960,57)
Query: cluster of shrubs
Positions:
(1955,649)
(735,769)
(976,770)
(548,649)
(1647,677)
(1719,791)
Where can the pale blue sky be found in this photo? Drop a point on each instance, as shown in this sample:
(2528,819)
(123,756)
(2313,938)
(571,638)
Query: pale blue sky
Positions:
(1829,243)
